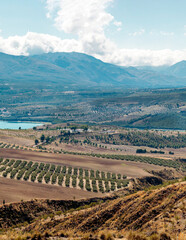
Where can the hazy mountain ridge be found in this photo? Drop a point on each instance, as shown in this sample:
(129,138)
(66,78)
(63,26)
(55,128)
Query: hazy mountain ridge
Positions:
(81,70)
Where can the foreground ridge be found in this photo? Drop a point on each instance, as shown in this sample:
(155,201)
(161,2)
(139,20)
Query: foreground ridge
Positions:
(149,212)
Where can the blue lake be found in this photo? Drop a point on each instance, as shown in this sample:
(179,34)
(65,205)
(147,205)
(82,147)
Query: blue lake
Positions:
(17,125)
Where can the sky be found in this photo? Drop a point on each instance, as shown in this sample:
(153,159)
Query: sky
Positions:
(123,32)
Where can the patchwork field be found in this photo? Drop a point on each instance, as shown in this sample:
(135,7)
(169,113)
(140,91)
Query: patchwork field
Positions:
(67,163)
(128,168)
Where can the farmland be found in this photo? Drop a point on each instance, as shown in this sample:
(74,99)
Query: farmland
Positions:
(127,108)
(83,179)
(67,161)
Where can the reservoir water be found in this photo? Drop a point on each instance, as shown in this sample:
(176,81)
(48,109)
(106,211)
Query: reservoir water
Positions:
(17,125)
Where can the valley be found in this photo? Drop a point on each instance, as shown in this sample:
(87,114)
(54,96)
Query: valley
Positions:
(93,150)
(82,161)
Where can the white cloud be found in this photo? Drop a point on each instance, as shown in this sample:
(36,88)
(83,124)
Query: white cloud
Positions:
(80,17)
(166,33)
(118,25)
(35,43)
(138,33)
(144,57)
(88,19)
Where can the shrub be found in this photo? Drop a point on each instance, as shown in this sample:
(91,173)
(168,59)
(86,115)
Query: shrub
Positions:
(75,171)
(60,179)
(97,175)
(11,163)
(108,175)
(54,178)
(17,163)
(81,172)
(107,188)
(141,150)
(41,175)
(47,177)
(113,186)
(92,174)
(52,168)
(67,181)
(94,186)
(81,184)
(102,175)
(2,169)
(87,185)
(58,169)
(13,173)
(69,170)
(5,161)
(74,180)
(86,173)
(20,174)
(64,170)
(100,184)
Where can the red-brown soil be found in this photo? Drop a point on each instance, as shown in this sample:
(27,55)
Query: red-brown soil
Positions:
(14,191)
(130,169)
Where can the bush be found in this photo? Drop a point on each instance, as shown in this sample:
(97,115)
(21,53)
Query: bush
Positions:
(97,175)
(102,175)
(67,181)
(74,181)
(2,169)
(86,173)
(58,169)
(5,161)
(54,178)
(92,174)
(11,163)
(94,186)
(69,170)
(13,173)
(107,188)
(87,185)
(52,168)
(81,172)
(75,171)
(81,184)
(64,170)
(47,177)
(21,173)
(100,184)
(113,186)
(60,179)
(41,175)
(141,150)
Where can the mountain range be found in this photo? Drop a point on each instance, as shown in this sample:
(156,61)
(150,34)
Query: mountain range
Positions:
(76,70)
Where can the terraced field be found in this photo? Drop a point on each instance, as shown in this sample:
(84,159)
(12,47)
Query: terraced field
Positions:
(65,176)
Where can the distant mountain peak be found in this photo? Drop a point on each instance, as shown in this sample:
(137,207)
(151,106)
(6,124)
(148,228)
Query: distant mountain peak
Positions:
(77,70)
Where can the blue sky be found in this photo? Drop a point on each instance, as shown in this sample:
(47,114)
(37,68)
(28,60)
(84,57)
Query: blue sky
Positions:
(125,26)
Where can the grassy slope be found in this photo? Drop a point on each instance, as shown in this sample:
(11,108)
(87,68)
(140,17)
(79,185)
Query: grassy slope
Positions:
(159,210)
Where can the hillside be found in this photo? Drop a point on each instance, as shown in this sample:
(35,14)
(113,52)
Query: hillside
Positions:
(152,213)
(178,69)
(77,71)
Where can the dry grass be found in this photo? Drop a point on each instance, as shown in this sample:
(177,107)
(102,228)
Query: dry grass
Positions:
(153,215)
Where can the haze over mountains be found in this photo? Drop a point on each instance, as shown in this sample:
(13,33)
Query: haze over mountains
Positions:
(77,70)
